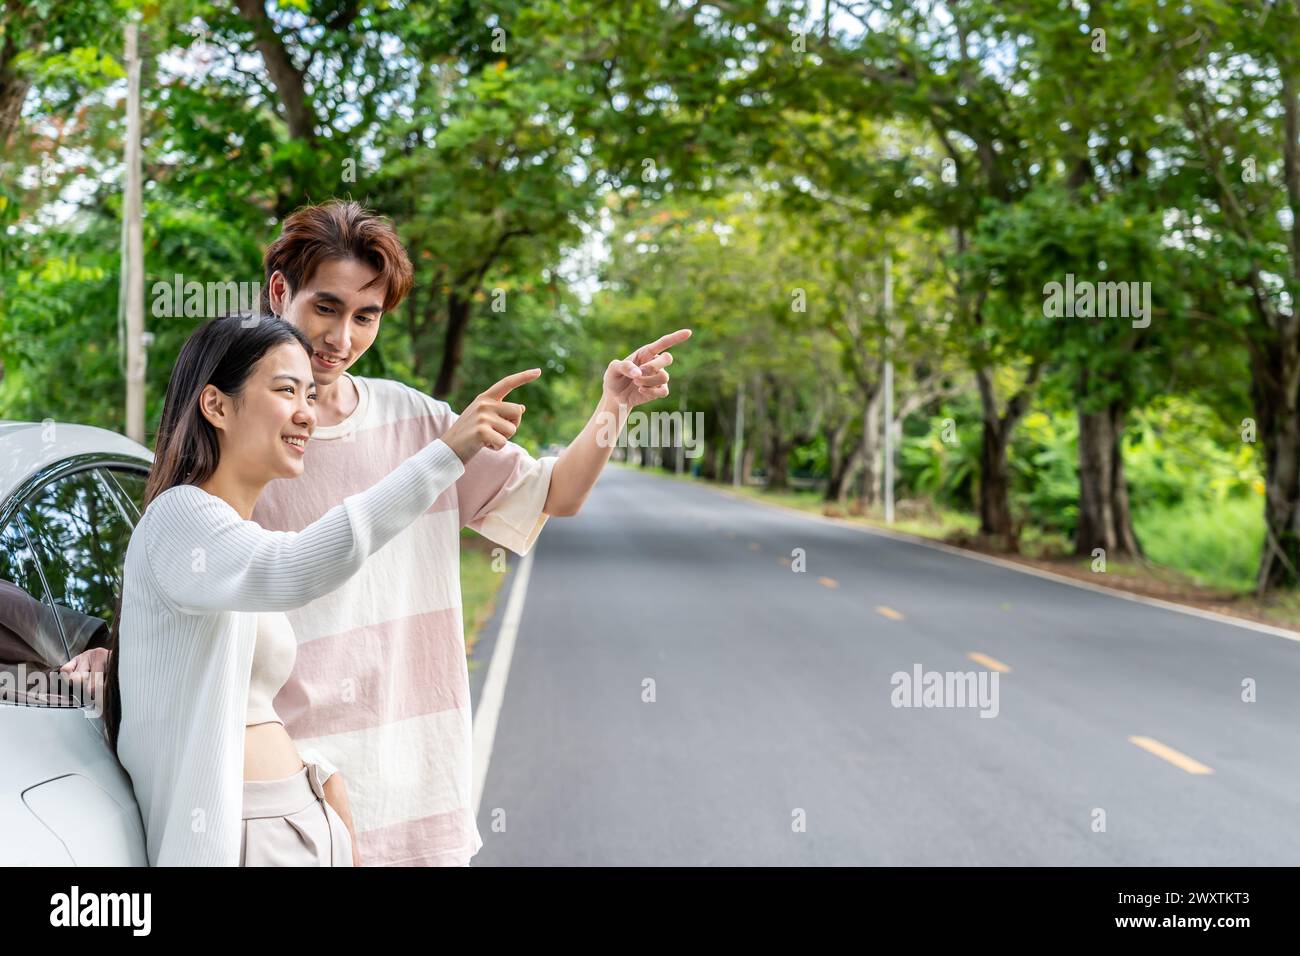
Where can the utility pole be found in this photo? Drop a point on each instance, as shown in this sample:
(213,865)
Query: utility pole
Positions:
(889,394)
(133,246)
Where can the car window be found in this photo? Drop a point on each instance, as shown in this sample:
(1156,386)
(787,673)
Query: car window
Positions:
(31,641)
(80,534)
(131,485)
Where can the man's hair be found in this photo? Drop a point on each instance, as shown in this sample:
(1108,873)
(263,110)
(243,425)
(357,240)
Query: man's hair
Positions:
(338,229)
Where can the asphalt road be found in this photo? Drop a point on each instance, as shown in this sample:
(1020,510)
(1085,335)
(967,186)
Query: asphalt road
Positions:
(773,738)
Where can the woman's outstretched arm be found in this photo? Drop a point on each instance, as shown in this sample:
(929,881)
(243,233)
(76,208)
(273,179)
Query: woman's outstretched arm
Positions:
(205,557)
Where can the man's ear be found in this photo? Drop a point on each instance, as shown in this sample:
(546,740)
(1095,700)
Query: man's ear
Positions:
(278,292)
(214,405)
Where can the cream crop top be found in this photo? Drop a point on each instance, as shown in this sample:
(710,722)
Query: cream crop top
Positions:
(273,658)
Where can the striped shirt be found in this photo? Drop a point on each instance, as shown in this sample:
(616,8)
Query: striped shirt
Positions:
(380,687)
(196,574)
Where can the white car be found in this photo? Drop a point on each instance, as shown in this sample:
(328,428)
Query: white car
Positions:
(69,498)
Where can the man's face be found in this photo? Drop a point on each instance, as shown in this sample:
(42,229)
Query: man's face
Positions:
(339,316)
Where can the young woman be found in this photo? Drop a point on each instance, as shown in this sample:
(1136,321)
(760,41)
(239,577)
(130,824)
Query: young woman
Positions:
(201,645)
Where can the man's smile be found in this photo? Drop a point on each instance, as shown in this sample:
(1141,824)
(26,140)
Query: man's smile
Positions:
(327,361)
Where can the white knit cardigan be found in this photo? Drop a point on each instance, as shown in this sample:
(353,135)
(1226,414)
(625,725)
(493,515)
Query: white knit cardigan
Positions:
(196,574)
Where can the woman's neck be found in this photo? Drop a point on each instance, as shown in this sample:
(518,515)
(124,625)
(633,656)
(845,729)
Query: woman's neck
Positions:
(236,491)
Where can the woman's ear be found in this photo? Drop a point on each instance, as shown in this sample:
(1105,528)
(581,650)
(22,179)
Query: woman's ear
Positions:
(214,405)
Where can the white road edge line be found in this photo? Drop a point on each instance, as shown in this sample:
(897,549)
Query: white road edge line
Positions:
(494,687)
(1023,569)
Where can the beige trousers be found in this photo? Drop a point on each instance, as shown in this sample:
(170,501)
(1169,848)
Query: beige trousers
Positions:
(288,823)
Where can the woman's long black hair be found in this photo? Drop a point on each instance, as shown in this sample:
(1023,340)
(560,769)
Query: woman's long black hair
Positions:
(222,352)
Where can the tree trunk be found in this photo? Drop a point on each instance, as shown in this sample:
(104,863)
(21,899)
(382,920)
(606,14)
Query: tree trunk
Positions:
(787,429)
(776,450)
(852,465)
(778,462)
(1273,375)
(995,486)
(290,82)
(870,450)
(13,85)
(13,90)
(458,311)
(718,449)
(996,523)
(708,462)
(837,461)
(1104,518)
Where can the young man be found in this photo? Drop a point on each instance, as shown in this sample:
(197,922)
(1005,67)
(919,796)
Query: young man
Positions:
(380,688)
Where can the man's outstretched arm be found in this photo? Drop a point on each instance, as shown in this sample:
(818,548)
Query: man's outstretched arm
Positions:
(629,382)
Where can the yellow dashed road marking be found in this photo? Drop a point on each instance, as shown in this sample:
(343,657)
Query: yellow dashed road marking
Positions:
(889,612)
(753,546)
(1175,757)
(786,561)
(828,582)
(989,662)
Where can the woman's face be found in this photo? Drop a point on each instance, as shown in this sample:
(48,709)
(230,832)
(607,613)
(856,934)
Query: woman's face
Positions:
(266,435)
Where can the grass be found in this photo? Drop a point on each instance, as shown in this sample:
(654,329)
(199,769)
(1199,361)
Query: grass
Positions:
(479,584)
(1216,545)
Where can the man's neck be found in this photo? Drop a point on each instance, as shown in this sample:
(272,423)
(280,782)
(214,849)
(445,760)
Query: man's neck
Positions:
(336,401)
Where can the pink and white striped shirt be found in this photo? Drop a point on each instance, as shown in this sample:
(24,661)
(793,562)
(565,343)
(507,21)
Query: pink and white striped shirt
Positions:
(380,687)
